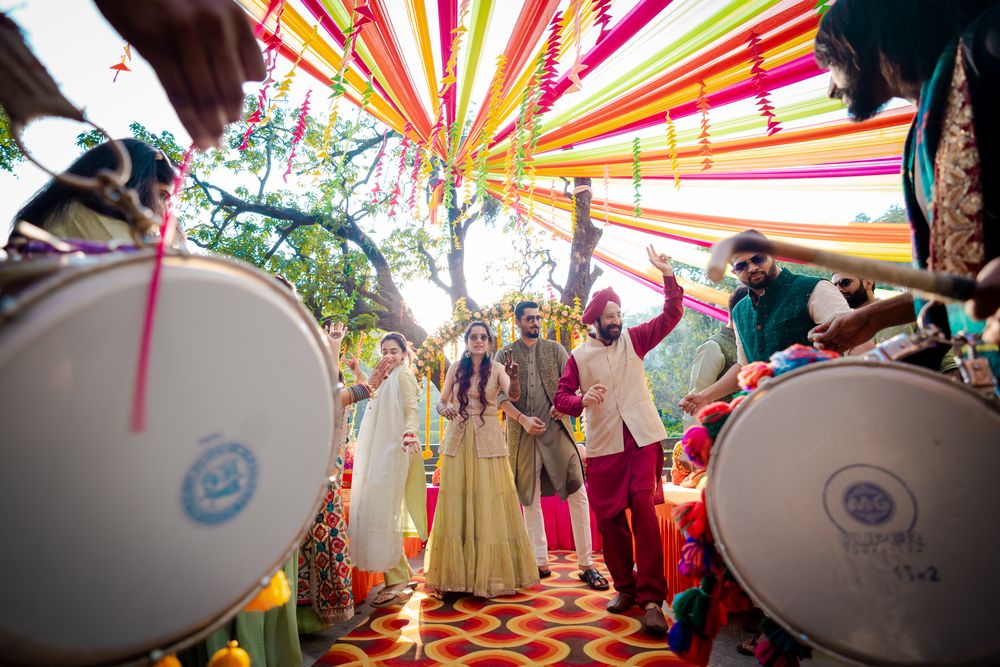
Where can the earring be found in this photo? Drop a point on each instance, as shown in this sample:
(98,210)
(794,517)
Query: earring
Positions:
(467,354)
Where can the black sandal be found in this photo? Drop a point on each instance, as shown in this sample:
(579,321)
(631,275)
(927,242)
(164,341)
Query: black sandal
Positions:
(544,572)
(594,579)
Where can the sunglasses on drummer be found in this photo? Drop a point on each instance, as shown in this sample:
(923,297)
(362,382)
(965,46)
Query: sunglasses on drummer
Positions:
(757,260)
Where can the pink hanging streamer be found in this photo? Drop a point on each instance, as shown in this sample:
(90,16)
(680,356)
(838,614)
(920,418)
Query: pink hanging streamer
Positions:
(166,236)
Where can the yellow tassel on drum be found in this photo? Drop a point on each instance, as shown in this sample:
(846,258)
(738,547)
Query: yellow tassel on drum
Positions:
(230,656)
(274,594)
(168,661)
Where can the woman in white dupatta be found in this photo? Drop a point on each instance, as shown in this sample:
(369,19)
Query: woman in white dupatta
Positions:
(388,490)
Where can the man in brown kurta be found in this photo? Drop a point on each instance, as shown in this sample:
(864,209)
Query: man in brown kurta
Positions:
(546,464)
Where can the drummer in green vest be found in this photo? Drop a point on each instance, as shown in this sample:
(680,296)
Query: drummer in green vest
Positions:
(778,312)
(716,355)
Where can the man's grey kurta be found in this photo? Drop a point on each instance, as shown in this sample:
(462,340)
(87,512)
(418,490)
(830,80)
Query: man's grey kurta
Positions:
(540,366)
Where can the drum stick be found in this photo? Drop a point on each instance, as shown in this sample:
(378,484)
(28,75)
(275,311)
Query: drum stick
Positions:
(947,286)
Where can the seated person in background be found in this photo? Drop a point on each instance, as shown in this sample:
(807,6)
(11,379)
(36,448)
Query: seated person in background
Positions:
(79,214)
(681,472)
(716,355)
(860,293)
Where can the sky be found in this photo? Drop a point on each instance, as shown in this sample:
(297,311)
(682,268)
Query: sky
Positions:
(78,47)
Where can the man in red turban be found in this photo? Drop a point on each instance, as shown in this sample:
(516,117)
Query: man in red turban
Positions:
(624,436)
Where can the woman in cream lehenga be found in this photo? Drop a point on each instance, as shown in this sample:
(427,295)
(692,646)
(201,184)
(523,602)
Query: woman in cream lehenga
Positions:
(478,543)
(388,490)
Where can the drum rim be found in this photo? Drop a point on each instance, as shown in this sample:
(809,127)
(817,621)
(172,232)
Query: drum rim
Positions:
(800,634)
(35,294)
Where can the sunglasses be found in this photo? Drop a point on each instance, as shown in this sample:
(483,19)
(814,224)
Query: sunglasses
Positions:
(844,282)
(479,337)
(532,318)
(758,260)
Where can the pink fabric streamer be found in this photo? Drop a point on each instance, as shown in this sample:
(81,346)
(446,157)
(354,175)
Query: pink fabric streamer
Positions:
(703,308)
(644,12)
(166,236)
(447,19)
(791,72)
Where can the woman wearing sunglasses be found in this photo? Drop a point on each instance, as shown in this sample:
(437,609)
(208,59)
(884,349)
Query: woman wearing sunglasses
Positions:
(478,542)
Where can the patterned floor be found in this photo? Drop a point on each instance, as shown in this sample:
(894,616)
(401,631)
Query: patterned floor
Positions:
(558,622)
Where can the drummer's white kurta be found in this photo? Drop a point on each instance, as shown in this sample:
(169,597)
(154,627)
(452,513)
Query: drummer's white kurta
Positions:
(856,502)
(117,544)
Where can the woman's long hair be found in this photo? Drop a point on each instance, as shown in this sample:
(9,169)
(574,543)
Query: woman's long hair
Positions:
(149,167)
(464,373)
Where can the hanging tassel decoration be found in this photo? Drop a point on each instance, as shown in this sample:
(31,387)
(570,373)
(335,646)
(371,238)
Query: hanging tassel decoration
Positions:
(760,84)
(672,150)
(271,50)
(697,444)
(704,138)
(602,11)
(636,178)
(298,133)
(120,67)
(692,520)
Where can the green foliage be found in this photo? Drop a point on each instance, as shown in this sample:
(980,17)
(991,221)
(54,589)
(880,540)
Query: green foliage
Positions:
(10,154)
(895,214)
(668,365)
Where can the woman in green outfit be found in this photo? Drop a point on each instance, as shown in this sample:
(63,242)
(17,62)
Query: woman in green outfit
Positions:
(478,542)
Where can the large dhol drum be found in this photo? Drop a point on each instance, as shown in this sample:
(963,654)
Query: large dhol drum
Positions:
(117,544)
(856,502)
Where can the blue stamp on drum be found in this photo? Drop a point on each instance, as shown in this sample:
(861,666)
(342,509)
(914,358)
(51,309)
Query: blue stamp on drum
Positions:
(869,503)
(219,484)
(867,498)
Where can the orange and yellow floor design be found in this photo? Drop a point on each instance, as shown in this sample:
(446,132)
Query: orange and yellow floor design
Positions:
(557,622)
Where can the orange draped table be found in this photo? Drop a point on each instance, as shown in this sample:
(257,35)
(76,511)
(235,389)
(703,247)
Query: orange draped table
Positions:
(361,581)
(672,539)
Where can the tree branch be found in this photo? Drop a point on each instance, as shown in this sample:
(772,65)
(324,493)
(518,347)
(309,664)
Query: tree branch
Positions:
(431,267)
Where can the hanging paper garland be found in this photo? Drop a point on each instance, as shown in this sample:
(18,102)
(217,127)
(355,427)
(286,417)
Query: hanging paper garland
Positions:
(379,164)
(285,85)
(490,125)
(120,67)
(760,84)
(298,132)
(636,178)
(706,145)
(672,150)
(602,11)
(271,50)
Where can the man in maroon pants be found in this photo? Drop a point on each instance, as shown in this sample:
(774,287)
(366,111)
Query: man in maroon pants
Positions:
(624,432)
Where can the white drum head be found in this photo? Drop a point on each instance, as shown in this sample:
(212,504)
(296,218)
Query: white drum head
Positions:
(856,503)
(120,543)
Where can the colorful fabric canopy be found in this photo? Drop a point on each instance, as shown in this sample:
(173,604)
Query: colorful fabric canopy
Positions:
(646,97)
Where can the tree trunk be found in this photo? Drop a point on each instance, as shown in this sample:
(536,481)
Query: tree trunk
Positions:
(585,238)
(459,287)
